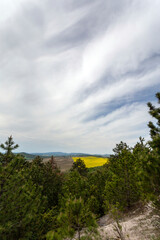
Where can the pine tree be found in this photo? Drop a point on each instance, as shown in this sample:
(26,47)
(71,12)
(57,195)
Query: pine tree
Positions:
(80,166)
(153,167)
(21,202)
(155,129)
(76,186)
(8,146)
(75,218)
(121,181)
(50,179)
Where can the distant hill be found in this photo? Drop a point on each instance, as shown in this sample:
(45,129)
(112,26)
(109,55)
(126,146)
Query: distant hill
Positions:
(63,154)
(106,155)
(30,156)
(27,156)
(60,154)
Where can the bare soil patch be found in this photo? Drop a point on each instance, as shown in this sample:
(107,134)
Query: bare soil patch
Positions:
(64,163)
(140,224)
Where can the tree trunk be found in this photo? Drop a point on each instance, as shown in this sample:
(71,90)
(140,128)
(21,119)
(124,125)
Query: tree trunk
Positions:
(79,234)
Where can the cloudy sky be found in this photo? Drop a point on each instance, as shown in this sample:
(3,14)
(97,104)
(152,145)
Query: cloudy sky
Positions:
(75,75)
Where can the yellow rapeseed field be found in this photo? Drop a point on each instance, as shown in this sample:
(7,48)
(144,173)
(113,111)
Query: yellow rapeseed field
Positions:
(91,161)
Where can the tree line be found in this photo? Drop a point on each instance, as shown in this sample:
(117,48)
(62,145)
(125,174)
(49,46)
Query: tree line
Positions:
(38,201)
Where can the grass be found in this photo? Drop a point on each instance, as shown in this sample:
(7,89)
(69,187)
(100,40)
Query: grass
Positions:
(91,161)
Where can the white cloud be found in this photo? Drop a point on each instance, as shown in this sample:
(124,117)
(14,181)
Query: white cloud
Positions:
(60,64)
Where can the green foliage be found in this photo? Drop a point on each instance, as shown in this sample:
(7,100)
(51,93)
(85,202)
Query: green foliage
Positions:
(49,221)
(28,198)
(96,186)
(75,186)
(142,157)
(121,185)
(80,166)
(8,146)
(50,179)
(155,129)
(74,218)
(21,202)
(90,188)
(120,147)
(153,168)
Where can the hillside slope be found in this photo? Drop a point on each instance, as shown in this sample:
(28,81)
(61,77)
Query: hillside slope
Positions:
(142,223)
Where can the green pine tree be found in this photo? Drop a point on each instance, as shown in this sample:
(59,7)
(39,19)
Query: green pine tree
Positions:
(75,186)
(8,146)
(155,128)
(153,166)
(142,156)
(75,218)
(80,166)
(21,202)
(43,174)
(121,185)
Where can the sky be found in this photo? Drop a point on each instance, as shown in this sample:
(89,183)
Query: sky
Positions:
(75,76)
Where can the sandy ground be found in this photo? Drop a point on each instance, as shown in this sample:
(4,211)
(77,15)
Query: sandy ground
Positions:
(141,224)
